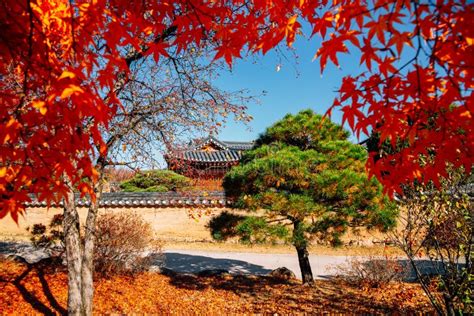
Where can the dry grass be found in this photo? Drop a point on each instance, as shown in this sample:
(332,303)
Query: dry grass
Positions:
(42,289)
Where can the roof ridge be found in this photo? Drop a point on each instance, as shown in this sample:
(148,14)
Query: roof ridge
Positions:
(238,141)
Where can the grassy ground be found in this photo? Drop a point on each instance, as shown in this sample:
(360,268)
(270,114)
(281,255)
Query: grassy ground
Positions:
(28,290)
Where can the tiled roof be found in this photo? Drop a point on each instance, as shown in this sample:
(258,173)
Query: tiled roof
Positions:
(238,145)
(221,144)
(210,156)
(150,199)
(228,151)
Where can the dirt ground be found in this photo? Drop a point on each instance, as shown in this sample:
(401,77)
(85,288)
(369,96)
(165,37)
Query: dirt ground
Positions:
(181,228)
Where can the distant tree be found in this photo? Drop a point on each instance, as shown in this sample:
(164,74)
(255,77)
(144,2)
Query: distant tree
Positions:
(310,182)
(156,181)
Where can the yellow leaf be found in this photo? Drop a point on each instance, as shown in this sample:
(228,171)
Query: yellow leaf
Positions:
(3,172)
(70,90)
(41,106)
(466,114)
(102,149)
(470,41)
(292,20)
(6,138)
(67,74)
(148,30)
(417,173)
(11,122)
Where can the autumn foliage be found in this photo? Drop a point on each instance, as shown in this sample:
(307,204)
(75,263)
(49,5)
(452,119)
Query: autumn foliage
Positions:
(40,289)
(64,63)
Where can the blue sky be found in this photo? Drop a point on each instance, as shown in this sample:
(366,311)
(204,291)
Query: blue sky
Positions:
(298,85)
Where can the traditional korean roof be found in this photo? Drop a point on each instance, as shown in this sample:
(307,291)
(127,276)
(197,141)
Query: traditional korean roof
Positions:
(221,144)
(150,199)
(222,151)
(239,145)
(210,156)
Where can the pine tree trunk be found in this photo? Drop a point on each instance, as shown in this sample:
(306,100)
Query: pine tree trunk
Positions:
(72,240)
(299,241)
(87,272)
(305,266)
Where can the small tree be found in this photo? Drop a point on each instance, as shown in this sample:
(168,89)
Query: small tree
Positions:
(310,182)
(156,181)
(126,242)
(436,221)
(439,223)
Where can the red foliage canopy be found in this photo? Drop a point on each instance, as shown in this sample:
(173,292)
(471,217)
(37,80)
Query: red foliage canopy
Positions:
(63,64)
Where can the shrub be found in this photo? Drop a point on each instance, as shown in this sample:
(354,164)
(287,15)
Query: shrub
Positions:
(49,238)
(130,187)
(125,243)
(156,181)
(372,272)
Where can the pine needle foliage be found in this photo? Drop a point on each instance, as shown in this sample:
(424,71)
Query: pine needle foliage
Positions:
(309,181)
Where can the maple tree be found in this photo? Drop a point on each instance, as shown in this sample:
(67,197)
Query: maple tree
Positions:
(146,104)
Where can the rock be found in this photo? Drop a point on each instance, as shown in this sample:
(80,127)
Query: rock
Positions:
(14,258)
(167,272)
(34,256)
(283,273)
(212,272)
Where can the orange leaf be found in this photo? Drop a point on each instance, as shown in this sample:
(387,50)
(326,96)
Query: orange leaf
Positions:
(71,89)
(41,106)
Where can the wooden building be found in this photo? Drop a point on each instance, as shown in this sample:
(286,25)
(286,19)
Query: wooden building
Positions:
(207,158)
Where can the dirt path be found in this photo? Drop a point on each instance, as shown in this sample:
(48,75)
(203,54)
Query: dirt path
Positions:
(248,263)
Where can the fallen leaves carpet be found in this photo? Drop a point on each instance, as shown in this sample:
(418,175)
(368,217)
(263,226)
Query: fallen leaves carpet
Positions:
(27,290)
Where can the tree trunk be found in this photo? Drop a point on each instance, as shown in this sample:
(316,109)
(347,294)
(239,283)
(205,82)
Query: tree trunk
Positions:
(87,272)
(305,267)
(299,241)
(424,285)
(72,240)
(448,304)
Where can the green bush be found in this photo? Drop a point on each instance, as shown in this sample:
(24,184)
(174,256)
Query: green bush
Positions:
(156,181)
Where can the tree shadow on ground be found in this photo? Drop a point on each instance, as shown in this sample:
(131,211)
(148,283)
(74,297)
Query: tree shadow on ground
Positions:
(194,263)
(41,268)
(263,291)
(272,295)
(426,267)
